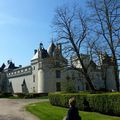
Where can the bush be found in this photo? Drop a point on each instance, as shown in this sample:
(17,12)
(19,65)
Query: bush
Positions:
(5,95)
(30,95)
(69,87)
(107,103)
(61,99)
(19,95)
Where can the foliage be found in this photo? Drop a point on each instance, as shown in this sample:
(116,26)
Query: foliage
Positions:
(45,111)
(107,103)
(5,95)
(69,87)
(24,96)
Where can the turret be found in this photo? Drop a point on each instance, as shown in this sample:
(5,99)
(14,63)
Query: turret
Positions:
(51,49)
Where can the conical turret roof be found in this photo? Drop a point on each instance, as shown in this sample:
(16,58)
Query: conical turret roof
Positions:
(35,56)
(51,49)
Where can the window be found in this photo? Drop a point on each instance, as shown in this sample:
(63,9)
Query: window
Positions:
(40,65)
(57,63)
(33,78)
(33,89)
(73,76)
(58,86)
(98,76)
(33,67)
(58,74)
(67,78)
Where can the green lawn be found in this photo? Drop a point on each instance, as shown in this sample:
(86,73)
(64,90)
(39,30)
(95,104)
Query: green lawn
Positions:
(45,111)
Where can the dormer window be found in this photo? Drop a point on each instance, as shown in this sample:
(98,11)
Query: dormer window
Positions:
(58,74)
(57,63)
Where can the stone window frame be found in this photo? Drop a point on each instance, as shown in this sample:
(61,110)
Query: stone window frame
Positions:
(58,73)
(33,78)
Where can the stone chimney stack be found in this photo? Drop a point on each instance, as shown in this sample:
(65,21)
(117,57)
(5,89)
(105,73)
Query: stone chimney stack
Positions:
(59,46)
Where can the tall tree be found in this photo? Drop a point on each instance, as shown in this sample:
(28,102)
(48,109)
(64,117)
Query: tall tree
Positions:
(106,18)
(97,53)
(71,28)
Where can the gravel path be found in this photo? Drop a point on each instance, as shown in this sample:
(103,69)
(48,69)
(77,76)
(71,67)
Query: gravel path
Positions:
(13,109)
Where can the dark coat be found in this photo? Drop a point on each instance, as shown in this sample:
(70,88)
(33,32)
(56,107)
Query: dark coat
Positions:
(73,114)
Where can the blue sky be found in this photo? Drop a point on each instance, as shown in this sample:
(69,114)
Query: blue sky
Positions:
(23,25)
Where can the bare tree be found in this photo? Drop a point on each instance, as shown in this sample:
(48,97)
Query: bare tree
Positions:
(97,52)
(106,18)
(71,28)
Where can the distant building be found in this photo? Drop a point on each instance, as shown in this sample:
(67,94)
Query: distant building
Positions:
(48,72)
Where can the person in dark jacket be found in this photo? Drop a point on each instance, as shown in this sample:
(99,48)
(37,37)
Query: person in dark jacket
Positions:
(73,113)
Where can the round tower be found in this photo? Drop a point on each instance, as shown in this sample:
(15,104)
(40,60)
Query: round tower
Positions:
(46,78)
(42,70)
(41,79)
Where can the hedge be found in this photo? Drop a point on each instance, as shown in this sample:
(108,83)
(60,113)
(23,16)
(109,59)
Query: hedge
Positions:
(106,103)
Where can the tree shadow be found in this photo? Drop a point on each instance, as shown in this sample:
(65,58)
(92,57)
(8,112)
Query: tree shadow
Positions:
(24,87)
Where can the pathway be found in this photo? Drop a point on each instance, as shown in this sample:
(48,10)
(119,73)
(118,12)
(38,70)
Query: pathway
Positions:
(13,109)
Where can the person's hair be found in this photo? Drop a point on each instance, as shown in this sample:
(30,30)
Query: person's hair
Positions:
(72,101)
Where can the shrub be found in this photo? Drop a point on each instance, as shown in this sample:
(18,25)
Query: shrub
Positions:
(5,95)
(61,99)
(107,103)
(69,87)
(19,95)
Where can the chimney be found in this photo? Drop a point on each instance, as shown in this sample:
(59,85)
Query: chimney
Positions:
(35,51)
(20,66)
(59,46)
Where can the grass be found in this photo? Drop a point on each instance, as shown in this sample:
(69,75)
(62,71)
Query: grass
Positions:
(45,111)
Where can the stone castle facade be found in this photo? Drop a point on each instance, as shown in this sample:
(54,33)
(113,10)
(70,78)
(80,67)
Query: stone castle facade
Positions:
(48,72)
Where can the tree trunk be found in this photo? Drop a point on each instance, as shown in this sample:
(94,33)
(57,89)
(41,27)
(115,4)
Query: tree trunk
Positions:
(85,72)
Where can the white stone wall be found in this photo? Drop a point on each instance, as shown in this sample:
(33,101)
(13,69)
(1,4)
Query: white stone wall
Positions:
(47,78)
(111,85)
(76,78)
(18,81)
(97,80)
(19,76)
(34,77)
(2,82)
